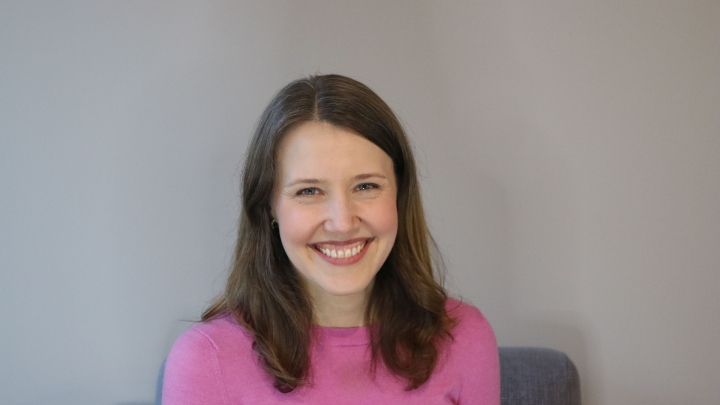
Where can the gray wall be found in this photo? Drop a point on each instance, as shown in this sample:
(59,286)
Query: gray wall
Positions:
(570,155)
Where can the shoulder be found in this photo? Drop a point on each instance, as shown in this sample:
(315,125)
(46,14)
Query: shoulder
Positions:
(213,336)
(472,335)
(473,354)
(198,360)
(468,319)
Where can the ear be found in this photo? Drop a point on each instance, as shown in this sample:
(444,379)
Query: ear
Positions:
(273,217)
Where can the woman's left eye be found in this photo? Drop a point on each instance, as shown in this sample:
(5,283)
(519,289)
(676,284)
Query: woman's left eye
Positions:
(367,186)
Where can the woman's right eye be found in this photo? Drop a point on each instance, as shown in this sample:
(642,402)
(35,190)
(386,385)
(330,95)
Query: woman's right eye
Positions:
(308,191)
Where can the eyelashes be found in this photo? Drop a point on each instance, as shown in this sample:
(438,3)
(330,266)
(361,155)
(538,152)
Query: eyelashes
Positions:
(314,191)
(367,186)
(310,191)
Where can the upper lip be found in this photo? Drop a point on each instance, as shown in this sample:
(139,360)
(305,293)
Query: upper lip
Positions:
(341,242)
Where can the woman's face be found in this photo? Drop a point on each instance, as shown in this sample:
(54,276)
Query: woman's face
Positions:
(335,204)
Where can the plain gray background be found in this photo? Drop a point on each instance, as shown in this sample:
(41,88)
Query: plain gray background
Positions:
(569,152)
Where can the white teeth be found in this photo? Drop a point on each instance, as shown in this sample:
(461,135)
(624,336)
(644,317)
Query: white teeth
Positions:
(342,254)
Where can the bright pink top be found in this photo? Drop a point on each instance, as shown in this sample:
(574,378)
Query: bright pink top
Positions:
(213,364)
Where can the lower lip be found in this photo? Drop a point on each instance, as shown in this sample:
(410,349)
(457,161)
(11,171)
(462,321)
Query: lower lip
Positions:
(345,260)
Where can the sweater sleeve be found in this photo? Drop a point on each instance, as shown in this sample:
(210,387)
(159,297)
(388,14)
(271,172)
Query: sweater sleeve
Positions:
(480,360)
(192,372)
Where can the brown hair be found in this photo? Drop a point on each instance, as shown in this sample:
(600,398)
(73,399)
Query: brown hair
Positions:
(266,294)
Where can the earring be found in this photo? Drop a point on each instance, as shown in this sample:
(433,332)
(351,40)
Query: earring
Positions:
(274,223)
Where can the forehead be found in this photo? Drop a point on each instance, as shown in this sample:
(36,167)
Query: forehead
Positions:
(323,150)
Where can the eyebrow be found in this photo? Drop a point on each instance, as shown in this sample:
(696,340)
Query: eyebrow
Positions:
(363,176)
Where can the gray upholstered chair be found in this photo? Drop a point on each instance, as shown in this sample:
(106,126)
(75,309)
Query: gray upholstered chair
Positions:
(535,376)
(529,376)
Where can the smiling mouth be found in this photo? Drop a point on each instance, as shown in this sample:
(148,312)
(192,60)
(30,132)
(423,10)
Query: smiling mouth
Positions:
(342,252)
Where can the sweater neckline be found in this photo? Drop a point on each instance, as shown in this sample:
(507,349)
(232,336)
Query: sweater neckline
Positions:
(353,336)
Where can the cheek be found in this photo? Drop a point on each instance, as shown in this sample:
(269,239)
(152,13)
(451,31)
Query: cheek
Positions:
(296,224)
(385,218)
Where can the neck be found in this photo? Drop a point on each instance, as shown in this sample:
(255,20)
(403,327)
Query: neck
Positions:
(345,311)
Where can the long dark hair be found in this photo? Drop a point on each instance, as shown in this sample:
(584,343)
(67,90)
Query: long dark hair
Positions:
(266,294)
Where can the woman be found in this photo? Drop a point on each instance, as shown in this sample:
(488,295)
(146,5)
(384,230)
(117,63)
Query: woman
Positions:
(332,296)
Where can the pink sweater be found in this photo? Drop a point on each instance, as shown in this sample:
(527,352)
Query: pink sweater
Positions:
(213,364)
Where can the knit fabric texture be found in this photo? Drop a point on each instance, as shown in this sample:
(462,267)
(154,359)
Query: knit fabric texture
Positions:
(213,363)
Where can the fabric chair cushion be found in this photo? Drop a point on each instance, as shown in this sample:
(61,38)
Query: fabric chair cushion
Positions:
(536,376)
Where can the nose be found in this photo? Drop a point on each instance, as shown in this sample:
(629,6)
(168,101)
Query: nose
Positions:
(341,215)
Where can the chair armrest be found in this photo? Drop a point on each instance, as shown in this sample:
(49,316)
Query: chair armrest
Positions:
(159,384)
(536,376)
